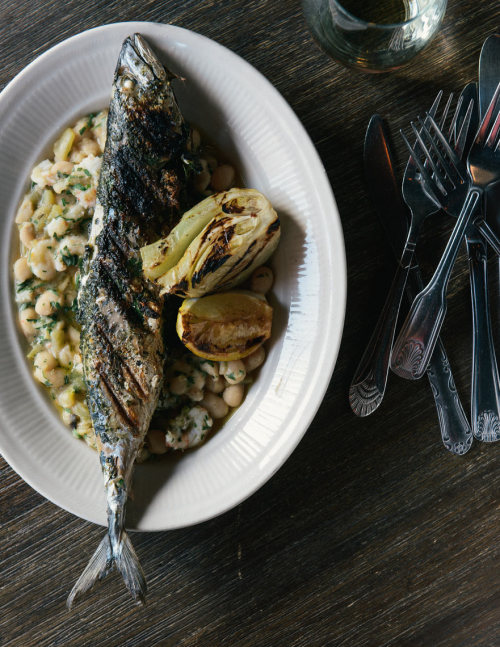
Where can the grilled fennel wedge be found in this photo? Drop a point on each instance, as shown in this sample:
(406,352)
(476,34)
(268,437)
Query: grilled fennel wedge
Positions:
(216,245)
(140,197)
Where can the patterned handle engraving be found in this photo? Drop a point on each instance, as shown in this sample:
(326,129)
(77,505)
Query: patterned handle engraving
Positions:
(455,430)
(408,360)
(487,427)
(365,396)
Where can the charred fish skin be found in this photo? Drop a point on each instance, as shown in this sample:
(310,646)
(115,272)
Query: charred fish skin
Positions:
(140,197)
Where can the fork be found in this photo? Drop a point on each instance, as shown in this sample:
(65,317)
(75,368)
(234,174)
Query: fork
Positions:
(368,384)
(450,186)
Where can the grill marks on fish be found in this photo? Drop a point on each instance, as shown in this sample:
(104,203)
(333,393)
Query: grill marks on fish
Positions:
(140,197)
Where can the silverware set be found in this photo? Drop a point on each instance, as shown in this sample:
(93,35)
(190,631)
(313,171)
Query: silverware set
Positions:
(454,169)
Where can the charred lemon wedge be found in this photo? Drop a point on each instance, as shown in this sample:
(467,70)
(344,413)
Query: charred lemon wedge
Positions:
(224,326)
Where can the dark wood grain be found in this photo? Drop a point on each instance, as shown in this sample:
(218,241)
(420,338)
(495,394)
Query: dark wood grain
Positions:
(371,535)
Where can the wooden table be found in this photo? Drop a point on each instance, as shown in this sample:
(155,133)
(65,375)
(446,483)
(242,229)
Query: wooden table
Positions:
(371,535)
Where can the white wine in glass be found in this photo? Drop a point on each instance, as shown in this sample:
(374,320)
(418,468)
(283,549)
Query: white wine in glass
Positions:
(373,35)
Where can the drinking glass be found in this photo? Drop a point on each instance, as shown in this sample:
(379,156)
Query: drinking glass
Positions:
(373,35)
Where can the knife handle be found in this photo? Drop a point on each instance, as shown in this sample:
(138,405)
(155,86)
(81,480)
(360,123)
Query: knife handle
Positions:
(368,384)
(455,429)
(485,392)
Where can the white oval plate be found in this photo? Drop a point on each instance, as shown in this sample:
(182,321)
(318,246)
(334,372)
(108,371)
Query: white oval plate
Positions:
(252,123)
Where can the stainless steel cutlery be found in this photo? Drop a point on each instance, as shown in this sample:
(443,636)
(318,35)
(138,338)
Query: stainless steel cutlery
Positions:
(455,169)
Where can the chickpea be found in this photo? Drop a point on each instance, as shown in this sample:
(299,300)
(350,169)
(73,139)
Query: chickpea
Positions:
(215,405)
(194,394)
(57,227)
(61,167)
(156,441)
(48,302)
(233,371)
(42,261)
(65,356)
(89,147)
(215,384)
(261,280)
(233,395)
(45,361)
(22,270)
(72,244)
(66,398)
(55,377)
(74,336)
(25,211)
(209,367)
(254,360)
(178,385)
(27,318)
(202,180)
(27,234)
(68,417)
(197,378)
(223,177)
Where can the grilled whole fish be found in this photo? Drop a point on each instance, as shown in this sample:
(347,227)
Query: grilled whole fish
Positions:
(140,197)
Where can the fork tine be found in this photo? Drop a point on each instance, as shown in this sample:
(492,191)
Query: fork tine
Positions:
(428,157)
(449,170)
(452,131)
(464,130)
(435,104)
(433,110)
(485,124)
(455,160)
(445,111)
(492,137)
(430,185)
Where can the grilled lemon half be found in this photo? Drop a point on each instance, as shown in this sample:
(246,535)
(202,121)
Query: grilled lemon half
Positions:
(224,326)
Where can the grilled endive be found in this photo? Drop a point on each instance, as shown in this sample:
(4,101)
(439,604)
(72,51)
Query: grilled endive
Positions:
(215,246)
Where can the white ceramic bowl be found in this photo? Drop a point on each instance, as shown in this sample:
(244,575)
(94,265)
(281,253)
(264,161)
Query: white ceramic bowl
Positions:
(252,123)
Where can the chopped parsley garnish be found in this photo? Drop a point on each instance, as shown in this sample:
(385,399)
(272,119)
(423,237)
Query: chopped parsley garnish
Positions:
(69,259)
(24,284)
(81,187)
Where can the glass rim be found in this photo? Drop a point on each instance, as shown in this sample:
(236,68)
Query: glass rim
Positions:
(376,25)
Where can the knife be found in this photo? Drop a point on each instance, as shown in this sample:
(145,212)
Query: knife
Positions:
(394,217)
(485,383)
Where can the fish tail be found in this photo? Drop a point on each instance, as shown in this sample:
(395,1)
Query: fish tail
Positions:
(127,562)
(101,562)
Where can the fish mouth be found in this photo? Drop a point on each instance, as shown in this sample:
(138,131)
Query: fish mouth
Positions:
(138,63)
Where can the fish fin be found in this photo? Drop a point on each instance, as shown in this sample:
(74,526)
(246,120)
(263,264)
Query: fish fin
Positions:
(97,568)
(126,561)
(128,564)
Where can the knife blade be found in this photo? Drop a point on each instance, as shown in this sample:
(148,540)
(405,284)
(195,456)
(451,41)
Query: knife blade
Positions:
(383,189)
(393,214)
(489,71)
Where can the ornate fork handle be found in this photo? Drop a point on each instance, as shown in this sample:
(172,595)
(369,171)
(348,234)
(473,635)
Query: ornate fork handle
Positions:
(417,338)
(456,433)
(370,379)
(485,394)
(455,429)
